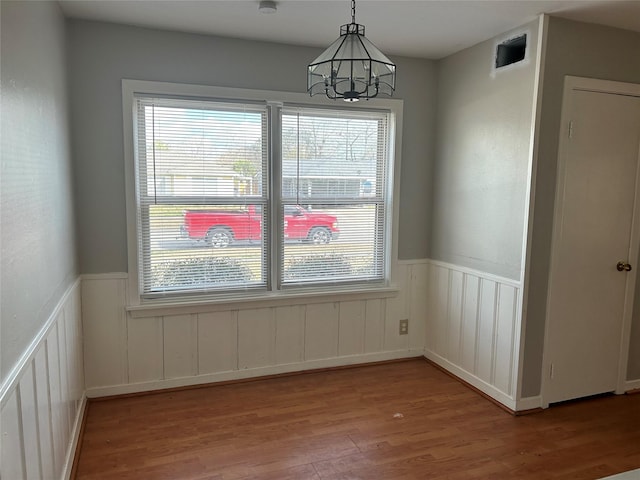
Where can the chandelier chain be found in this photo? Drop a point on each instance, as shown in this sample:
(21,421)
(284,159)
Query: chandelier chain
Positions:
(353,11)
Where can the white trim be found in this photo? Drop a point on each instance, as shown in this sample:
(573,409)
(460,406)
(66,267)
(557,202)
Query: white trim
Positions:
(630,385)
(75,438)
(97,392)
(129,140)
(629,297)
(478,273)
(603,86)
(417,261)
(395,139)
(572,83)
(629,475)
(471,379)
(527,237)
(14,376)
(105,276)
(200,305)
(50,363)
(132,87)
(528,403)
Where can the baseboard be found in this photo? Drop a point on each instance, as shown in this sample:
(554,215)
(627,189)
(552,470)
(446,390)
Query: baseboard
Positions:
(632,386)
(489,390)
(213,378)
(529,405)
(76,436)
(630,475)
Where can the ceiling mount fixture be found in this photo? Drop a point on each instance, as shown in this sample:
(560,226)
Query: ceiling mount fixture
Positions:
(352,67)
(267,6)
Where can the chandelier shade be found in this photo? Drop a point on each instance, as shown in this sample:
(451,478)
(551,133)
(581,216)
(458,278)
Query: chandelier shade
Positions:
(352,68)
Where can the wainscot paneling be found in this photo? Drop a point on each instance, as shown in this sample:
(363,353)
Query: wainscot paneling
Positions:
(290,333)
(127,353)
(217,342)
(42,400)
(466,321)
(471,328)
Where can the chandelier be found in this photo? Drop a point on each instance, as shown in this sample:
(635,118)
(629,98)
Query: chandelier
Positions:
(352,67)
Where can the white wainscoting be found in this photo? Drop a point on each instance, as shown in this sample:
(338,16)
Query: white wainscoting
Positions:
(43,399)
(466,321)
(127,353)
(473,329)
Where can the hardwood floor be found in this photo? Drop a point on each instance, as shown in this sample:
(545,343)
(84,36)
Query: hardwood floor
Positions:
(404,420)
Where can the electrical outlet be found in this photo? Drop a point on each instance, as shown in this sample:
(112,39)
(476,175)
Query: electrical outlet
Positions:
(404,326)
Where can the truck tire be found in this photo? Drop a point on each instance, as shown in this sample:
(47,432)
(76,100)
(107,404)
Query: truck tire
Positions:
(319,235)
(219,237)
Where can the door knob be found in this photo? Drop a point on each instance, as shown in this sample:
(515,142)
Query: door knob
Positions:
(623,266)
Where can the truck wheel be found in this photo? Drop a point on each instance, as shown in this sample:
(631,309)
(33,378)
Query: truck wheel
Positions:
(219,237)
(319,235)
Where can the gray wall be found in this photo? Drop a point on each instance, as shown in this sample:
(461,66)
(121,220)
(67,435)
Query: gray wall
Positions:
(38,247)
(585,50)
(102,54)
(481,172)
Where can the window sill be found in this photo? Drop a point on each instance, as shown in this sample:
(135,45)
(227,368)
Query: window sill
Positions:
(159,308)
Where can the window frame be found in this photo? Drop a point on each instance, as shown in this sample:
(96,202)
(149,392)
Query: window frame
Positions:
(274,102)
(377,200)
(145,200)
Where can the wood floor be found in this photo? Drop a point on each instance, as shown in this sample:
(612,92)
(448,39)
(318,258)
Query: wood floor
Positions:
(403,420)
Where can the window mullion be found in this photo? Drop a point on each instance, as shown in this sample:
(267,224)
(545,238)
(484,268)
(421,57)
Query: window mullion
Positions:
(201,200)
(276,237)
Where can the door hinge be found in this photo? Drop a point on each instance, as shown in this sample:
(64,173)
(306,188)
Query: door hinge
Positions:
(570,128)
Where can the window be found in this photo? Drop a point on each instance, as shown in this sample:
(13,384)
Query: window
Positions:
(327,158)
(234,196)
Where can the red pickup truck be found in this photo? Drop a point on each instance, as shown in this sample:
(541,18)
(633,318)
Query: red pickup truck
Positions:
(222,227)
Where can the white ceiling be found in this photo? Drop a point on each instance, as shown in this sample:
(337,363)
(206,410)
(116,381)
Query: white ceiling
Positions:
(416,28)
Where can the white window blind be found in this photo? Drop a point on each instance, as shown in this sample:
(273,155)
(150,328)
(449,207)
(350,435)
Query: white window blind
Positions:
(201,188)
(334,195)
(256,196)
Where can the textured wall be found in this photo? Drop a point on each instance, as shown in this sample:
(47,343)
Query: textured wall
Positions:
(38,247)
(101,55)
(481,171)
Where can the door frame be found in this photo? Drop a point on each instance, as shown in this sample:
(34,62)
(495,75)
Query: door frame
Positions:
(572,83)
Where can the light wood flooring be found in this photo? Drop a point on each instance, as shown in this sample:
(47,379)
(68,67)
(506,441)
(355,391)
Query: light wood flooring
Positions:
(405,420)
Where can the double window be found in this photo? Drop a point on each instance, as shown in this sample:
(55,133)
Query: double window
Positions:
(237,195)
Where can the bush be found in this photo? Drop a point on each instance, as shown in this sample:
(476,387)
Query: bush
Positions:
(362,266)
(317,266)
(199,271)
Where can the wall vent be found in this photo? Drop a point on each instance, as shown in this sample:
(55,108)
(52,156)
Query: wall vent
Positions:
(511,51)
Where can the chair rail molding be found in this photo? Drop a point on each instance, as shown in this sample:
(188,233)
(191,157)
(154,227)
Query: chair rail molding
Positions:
(43,399)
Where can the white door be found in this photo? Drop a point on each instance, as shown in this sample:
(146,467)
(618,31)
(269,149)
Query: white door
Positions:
(590,300)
